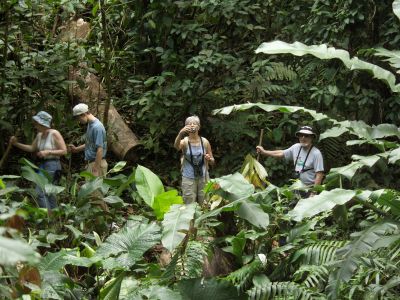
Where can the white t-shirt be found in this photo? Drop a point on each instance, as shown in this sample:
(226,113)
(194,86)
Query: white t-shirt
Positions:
(313,164)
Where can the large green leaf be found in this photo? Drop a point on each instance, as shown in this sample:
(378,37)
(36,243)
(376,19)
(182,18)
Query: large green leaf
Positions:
(176,224)
(325,201)
(235,185)
(270,108)
(133,289)
(163,202)
(363,242)
(148,184)
(124,248)
(253,213)
(351,169)
(57,260)
(13,251)
(111,289)
(396,8)
(325,52)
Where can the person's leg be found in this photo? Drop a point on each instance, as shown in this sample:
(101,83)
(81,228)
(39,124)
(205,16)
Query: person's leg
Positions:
(53,169)
(188,190)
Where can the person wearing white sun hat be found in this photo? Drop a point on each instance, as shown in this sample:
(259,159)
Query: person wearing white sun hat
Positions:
(308,160)
(49,146)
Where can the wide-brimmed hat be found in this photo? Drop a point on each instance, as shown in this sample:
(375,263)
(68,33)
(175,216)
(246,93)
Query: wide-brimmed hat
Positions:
(79,109)
(306,130)
(43,118)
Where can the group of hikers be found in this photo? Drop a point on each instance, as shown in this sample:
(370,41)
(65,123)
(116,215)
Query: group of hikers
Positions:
(196,158)
(49,146)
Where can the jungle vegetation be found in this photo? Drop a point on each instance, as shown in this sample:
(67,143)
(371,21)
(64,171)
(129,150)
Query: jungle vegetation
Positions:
(241,66)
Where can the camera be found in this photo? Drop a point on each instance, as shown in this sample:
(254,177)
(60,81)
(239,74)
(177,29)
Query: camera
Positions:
(198,170)
(296,175)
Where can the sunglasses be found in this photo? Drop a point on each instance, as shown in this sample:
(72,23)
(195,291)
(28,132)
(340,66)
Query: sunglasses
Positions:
(302,135)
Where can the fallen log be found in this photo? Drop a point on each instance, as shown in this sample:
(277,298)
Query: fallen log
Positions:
(121,140)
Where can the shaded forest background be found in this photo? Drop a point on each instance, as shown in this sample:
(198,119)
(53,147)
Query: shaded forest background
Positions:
(161,61)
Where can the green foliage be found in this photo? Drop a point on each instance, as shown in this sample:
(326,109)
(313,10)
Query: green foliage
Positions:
(125,248)
(176,224)
(282,290)
(13,251)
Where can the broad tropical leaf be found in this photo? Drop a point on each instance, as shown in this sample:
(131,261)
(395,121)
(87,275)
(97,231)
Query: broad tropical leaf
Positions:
(58,260)
(396,8)
(325,201)
(111,289)
(162,202)
(235,185)
(133,289)
(325,52)
(148,184)
(176,224)
(124,248)
(13,251)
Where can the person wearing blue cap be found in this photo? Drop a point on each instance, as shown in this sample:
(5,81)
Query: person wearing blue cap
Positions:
(308,160)
(49,146)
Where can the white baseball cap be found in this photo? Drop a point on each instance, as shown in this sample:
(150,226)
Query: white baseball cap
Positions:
(79,109)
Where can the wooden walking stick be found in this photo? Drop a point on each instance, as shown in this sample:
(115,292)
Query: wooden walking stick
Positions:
(7,152)
(260,142)
(5,155)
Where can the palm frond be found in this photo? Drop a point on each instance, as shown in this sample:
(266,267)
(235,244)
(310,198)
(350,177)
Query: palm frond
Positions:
(318,253)
(242,277)
(313,276)
(283,290)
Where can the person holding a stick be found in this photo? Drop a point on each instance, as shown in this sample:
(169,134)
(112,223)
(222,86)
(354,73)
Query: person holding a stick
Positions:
(308,160)
(196,157)
(49,146)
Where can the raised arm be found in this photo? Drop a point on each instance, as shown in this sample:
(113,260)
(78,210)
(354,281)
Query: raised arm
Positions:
(178,143)
(272,153)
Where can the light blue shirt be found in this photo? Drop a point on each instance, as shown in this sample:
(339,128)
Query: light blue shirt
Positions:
(197,154)
(95,138)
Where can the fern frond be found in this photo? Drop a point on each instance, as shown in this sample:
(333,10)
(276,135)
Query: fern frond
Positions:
(284,290)
(190,264)
(313,276)
(279,71)
(242,277)
(318,253)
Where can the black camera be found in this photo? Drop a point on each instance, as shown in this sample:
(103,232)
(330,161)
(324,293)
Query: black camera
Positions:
(198,170)
(296,175)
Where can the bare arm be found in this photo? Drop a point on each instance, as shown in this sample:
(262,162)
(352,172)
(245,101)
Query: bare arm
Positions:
(272,153)
(178,144)
(318,178)
(209,156)
(76,149)
(24,147)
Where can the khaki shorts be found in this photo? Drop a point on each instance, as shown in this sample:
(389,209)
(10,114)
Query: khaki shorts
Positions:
(103,167)
(193,190)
